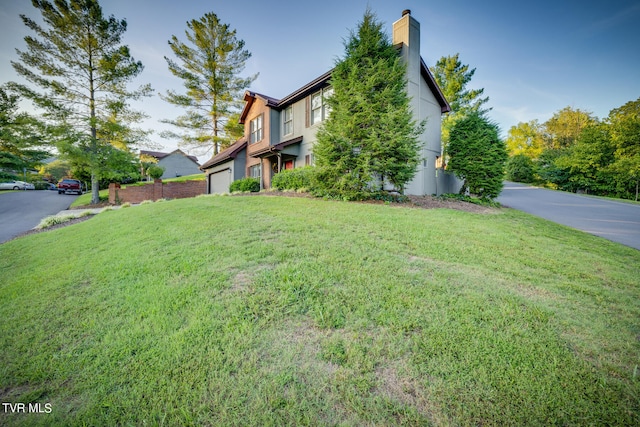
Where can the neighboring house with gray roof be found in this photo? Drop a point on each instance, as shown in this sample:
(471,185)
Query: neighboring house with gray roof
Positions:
(175,163)
(280,133)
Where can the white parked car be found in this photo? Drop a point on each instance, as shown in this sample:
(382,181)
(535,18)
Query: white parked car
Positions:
(16,185)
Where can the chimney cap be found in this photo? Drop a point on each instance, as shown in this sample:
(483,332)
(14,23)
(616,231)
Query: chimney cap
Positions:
(406,12)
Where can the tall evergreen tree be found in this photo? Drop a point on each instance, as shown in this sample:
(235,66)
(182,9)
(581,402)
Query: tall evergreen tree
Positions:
(209,66)
(478,155)
(370,134)
(22,142)
(453,77)
(77,59)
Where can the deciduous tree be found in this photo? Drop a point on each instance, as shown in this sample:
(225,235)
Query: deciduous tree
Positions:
(77,58)
(587,161)
(625,134)
(209,65)
(525,138)
(563,129)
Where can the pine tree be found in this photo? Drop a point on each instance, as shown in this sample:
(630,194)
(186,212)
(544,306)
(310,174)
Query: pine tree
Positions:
(370,135)
(210,66)
(452,78)
(78,60)
(21,136)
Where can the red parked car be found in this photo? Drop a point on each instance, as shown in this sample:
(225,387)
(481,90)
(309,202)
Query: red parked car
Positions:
(70,186)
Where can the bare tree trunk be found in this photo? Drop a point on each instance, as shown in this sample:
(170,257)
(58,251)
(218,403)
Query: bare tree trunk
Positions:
(95,186)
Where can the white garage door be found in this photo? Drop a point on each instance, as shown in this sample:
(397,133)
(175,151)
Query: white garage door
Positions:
(219,181)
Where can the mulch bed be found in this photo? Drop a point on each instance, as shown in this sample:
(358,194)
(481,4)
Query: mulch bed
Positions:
(423,202)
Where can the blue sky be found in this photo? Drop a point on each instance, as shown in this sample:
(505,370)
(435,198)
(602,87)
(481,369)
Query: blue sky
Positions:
(532,59)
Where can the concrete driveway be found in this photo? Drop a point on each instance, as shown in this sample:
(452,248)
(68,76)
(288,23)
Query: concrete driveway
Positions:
(20,211)
(616,221)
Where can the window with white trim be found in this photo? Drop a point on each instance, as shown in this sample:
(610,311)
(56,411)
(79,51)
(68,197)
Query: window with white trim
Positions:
(320,110)
(255,128)
(287,120)
(254,171)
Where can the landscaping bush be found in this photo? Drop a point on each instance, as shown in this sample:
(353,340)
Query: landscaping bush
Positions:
(245,184)
(520,168)
(477,155)
(6,176)
(293,179)
(155,172)
(41,185)
(50,221)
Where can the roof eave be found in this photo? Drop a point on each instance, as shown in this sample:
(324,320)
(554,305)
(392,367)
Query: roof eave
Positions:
(226,155)
(312,86)
(435,89)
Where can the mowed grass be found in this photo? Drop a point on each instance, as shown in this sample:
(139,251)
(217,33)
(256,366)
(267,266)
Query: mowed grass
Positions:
(292,311)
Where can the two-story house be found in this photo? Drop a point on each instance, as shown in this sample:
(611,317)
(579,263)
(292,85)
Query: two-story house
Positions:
(280,133)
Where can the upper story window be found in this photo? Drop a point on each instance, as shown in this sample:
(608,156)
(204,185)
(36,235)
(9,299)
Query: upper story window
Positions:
(287,120)
(320,110)
(255,128)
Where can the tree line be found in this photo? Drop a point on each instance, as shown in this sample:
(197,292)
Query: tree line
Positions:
(80,81)
(576,151)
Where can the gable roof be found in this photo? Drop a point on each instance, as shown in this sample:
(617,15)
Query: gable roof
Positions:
(249,99)
(161,155)
(323,80)
(225,155)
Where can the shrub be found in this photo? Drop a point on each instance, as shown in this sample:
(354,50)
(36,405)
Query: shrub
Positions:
(155,171)
(245,184)
(520,168)
(477,155)
(50,221)
(41,185)
(6,176)
(293,179)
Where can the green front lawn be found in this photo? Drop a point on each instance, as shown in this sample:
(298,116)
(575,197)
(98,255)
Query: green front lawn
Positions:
(195,177)
(85,199)
(293,311)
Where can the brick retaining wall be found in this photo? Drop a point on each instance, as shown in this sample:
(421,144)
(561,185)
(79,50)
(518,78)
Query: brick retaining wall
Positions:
(156,190)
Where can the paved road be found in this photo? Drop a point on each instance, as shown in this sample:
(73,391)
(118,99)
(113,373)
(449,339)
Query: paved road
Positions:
(20,211)
(617,221)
